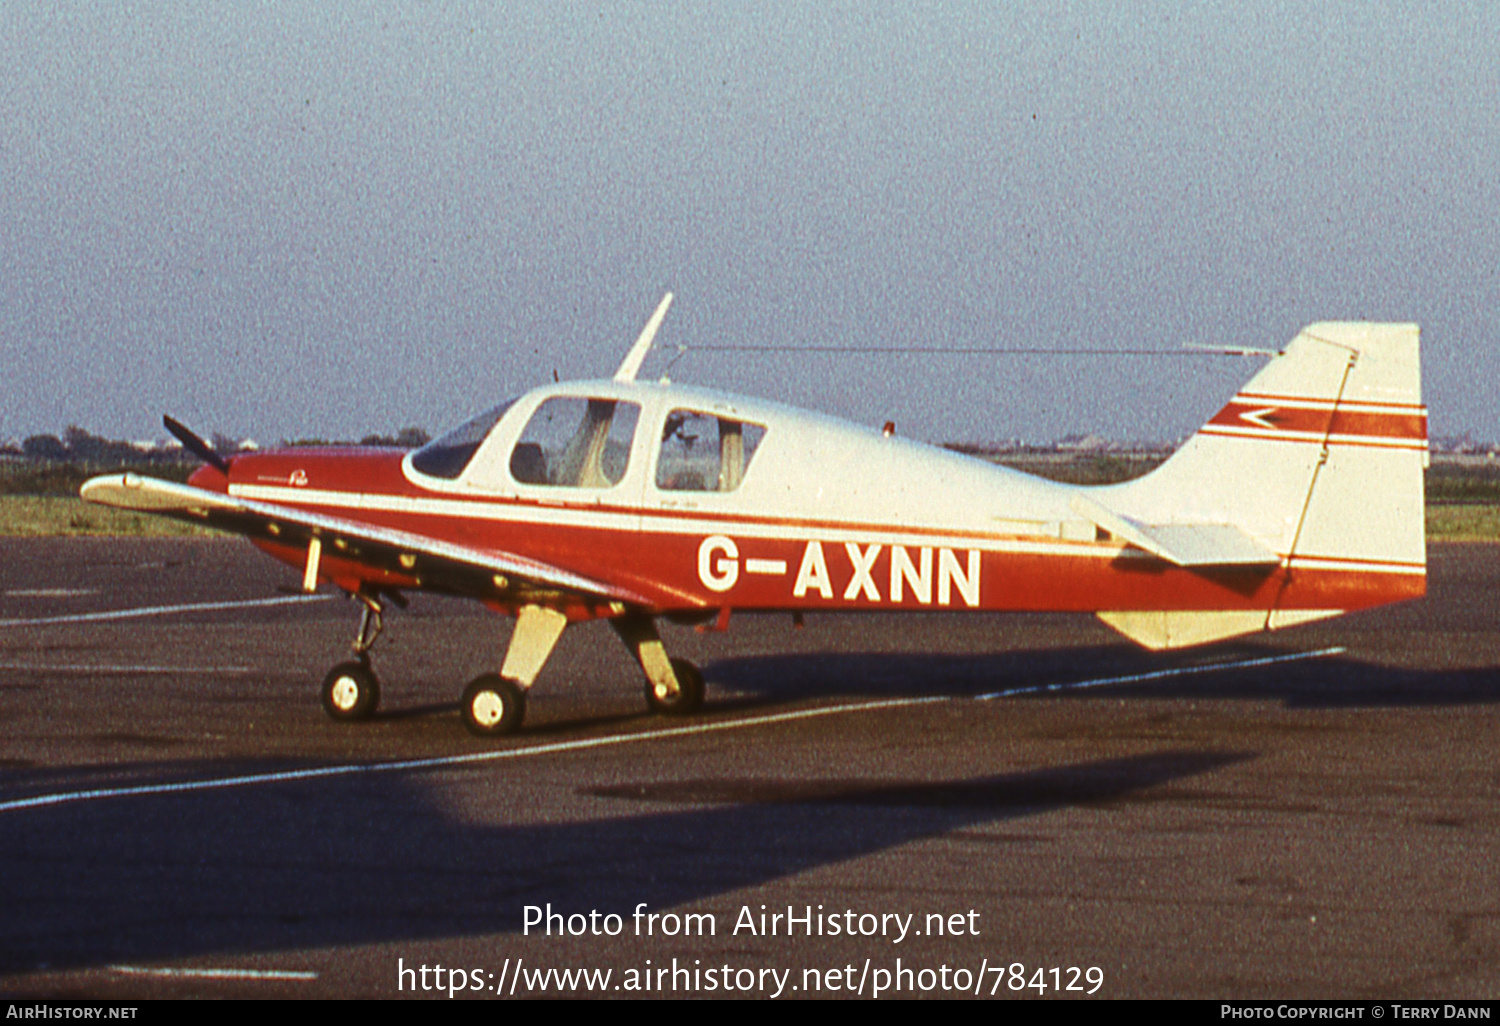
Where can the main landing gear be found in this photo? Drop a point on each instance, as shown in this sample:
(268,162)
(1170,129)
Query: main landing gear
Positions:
(494,704)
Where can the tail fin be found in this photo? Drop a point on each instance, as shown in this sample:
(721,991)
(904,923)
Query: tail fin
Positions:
(1318,462)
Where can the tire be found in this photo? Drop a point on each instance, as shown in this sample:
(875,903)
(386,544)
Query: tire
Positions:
(351,692)
(493,706)
(689,698)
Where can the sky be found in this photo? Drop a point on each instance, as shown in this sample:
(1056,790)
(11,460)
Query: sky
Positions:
(293,220)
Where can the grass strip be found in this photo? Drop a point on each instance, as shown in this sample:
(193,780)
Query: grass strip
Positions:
(63,516)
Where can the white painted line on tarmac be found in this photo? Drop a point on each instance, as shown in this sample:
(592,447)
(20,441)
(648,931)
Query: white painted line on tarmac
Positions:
(86,668)
(1177,671)
(440,762)
(190,607)
(214,974)
(49,592)
(582,744)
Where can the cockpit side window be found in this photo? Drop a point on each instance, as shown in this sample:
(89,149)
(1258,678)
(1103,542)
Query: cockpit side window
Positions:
(574,442)
(449,455)
(701,452)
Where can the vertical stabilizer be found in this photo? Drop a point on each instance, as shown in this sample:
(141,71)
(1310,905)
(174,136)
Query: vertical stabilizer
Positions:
(1320,459)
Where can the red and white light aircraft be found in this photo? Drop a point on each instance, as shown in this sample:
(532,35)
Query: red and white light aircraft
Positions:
(1300,499)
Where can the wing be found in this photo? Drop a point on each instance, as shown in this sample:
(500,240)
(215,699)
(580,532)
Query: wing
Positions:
(438,565)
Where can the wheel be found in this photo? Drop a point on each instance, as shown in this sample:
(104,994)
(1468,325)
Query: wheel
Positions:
(689,694)
(351,692)
(493,706)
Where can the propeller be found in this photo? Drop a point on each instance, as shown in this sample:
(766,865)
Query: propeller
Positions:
(195,445)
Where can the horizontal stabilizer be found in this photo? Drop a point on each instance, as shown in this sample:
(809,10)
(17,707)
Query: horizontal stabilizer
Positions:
(1188,545)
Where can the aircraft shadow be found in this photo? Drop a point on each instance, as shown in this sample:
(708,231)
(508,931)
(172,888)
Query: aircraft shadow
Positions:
(317,863)
(1324,683)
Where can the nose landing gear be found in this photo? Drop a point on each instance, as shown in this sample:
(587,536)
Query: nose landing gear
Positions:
(351,691)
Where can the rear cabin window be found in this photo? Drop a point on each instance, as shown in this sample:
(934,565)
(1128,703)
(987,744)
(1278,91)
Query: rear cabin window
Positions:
(449,455)
(576,443)
(701,452)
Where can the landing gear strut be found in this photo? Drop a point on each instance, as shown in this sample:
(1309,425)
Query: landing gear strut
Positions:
(371,623)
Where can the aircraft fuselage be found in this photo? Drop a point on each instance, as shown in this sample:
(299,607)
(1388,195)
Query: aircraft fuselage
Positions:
(814,514)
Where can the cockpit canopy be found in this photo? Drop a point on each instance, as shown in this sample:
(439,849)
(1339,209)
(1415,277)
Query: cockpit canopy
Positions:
(585,441)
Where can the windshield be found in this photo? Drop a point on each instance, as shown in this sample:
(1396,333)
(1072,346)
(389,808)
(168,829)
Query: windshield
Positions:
(449,455)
